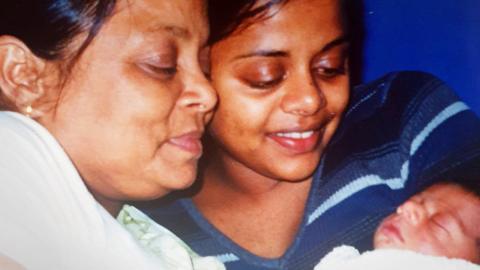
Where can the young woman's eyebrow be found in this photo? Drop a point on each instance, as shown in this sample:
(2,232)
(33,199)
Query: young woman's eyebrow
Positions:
(335,43)
(278,53)
(264,53)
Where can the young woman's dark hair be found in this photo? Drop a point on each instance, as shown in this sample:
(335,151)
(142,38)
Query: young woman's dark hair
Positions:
(48,27)
(226,16)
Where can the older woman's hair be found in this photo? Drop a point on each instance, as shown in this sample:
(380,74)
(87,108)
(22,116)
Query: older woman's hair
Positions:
(48,27)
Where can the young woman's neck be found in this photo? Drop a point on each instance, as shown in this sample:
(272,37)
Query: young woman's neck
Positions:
(245,205)
(228,172)
(225,178)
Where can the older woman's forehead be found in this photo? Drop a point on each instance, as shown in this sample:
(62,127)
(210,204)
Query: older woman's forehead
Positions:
(181,17)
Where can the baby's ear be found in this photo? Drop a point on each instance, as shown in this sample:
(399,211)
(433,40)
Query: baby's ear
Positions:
(21,76)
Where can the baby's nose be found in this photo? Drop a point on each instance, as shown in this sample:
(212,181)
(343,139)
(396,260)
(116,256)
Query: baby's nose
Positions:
(413,212)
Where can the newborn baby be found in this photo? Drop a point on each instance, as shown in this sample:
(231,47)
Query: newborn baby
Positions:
(443,220)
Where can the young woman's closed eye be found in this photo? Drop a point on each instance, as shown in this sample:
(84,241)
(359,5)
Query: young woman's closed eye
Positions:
(261,74)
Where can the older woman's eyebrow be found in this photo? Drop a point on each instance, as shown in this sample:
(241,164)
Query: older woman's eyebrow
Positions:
(174,30)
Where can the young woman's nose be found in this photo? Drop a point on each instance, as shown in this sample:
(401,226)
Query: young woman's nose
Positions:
(414,212)
(303,97)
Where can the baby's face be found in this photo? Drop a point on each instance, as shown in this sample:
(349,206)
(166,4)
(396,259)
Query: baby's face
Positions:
(443,220)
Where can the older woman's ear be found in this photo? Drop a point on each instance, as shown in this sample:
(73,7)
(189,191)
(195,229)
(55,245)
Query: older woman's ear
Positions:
(22,77)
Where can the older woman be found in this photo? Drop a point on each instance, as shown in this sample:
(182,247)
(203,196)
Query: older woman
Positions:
(104,102)
(298,163)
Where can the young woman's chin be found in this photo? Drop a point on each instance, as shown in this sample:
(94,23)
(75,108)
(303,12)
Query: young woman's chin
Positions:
(289,169)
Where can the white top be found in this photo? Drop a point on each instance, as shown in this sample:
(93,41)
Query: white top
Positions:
(48,218)
(348,258)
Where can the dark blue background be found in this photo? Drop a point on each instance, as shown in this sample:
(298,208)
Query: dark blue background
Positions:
(438,36)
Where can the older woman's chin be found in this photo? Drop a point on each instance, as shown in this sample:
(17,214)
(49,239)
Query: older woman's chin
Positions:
(144,187)
(170,180)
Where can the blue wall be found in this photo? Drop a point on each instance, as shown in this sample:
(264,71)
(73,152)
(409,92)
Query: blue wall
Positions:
(438,36)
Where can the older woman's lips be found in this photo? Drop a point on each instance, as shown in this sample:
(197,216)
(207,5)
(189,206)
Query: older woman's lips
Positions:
(189,142)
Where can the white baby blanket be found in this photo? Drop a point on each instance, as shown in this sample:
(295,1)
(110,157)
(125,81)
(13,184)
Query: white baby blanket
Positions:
(348,258)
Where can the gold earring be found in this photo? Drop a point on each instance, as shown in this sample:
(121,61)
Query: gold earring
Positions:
(28,110)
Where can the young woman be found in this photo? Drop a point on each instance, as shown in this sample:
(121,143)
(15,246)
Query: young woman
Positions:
(106,103)
(291,170)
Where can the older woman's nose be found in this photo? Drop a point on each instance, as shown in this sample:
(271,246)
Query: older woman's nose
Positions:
(199,95)
(412,211)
